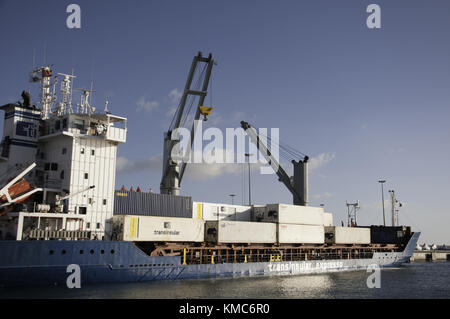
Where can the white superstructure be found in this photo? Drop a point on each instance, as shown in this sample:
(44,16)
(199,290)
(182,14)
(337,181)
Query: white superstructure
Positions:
(75,151)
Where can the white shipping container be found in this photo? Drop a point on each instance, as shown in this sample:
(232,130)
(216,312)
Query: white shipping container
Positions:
(231,232)
(214,212)
(347,235)
(293,214)
(158,229)
(327,219)
(300,234)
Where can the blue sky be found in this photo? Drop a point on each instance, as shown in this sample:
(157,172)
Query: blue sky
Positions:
(365,104)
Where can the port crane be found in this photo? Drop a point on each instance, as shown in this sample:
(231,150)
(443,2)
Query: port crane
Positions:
(173,170)
(298,183)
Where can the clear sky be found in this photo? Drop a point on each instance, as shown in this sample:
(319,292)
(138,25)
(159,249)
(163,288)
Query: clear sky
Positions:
(364,104)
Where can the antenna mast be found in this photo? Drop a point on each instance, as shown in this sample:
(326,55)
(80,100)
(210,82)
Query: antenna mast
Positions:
(44,75)
(65,106)
(394,202)
(352,210)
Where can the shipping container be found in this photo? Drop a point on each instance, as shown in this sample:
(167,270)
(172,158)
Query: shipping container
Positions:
(231,232)
(157,229)
(390,235)
(300,234)
(347,235)
(214,212)
(327,219)
(293,214)
(150,204)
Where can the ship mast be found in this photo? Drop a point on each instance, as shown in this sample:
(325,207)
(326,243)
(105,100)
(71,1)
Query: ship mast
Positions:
(65,106)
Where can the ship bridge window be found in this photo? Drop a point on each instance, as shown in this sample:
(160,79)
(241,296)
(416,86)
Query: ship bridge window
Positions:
(98,225)
(64,123)
(47,166)
(82,211)
(78,124)
(86,175)
(57,125)
(54,166)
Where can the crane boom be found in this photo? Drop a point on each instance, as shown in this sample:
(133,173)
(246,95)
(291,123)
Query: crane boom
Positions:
(59,199)
(173,171)
(298,184)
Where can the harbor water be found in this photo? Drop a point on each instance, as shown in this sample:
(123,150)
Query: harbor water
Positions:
(414,280)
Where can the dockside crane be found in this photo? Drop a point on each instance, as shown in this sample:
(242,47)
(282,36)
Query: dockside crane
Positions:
(173,170)
(298,183)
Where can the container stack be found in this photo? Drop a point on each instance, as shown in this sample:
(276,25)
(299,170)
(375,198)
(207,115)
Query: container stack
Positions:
(231,232)
(295,224)
(347,235)
(166,218)
(216,212)
(151,204)
(390,234)
(327,219)
(157,229)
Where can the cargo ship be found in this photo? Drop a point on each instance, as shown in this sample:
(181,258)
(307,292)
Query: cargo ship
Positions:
(59,206)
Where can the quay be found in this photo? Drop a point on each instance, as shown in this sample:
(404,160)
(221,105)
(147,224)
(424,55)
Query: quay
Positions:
(430,255)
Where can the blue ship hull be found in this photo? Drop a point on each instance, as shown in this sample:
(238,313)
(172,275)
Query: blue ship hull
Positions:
(46,262)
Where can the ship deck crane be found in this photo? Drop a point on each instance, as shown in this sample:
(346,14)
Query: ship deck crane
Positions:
(298,183)
(173,171)
(59,199)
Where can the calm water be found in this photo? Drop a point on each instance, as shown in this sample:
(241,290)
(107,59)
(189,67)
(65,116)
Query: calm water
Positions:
(415,280)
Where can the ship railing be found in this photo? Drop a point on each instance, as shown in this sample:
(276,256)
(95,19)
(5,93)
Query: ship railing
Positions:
(39,234)
(116,134)
(214,258)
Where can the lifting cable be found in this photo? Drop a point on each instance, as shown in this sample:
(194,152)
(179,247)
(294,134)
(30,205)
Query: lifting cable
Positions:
(286,151)
(193,98)
(190,101)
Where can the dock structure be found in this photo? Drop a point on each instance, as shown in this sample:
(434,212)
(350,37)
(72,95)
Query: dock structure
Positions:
(431,255)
